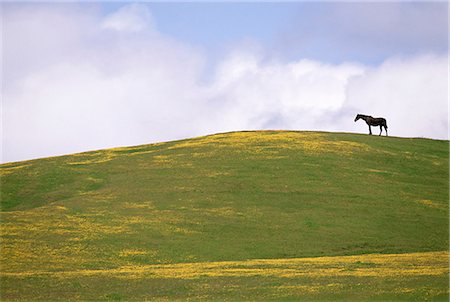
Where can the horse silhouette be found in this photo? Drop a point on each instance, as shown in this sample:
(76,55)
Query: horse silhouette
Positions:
(373,121)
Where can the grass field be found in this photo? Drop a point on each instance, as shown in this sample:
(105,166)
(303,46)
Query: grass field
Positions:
(266,215)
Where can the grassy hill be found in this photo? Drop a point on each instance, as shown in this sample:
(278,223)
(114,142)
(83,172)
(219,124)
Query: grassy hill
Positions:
(265,215)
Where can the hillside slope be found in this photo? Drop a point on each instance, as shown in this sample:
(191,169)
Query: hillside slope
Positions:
(225,197)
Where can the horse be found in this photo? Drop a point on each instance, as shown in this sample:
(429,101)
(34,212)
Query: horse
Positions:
(373,121)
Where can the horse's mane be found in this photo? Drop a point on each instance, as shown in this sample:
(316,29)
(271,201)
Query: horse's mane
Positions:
(365,115)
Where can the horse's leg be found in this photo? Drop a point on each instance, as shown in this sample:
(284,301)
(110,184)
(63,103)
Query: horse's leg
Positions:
(385,129)
(381,130)
(370,130)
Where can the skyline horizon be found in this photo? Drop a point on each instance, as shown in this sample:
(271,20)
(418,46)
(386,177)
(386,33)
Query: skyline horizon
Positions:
(218,133)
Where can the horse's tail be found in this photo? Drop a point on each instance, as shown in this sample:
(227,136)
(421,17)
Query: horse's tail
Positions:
(385,124)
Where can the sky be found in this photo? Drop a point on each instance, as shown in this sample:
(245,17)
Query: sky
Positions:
(88,76)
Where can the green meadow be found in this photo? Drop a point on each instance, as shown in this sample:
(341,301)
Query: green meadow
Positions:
(254,216)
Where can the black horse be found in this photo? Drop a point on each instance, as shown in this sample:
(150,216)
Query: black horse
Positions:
(373,121)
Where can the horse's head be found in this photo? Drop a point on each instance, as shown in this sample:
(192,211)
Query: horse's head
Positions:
(358,116)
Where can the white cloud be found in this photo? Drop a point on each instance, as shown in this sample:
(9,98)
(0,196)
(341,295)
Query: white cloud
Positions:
(253,94)
(129,18)
(120,82)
